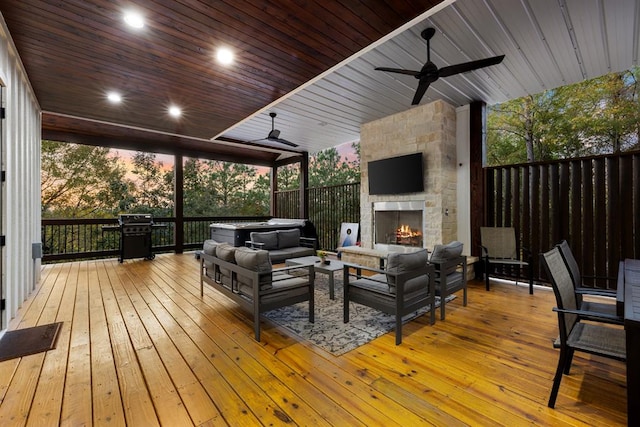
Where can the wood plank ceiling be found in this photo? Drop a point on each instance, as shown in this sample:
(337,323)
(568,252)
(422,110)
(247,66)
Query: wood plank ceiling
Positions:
(76,51)
(311,62)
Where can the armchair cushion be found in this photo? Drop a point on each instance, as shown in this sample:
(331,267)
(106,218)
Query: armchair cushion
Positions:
(269,239)
(288,238)
(401,262)
(447,252)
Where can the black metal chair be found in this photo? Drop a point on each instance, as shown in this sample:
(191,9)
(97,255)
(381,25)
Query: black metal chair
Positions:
(608,308)
(499,247)
(576,335)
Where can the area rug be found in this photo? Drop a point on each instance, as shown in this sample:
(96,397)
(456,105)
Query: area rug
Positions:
(329,332)
(23,342)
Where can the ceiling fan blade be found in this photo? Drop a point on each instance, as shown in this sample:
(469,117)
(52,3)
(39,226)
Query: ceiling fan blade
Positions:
(399,71)
(422,88)
(469,66)
(283,141)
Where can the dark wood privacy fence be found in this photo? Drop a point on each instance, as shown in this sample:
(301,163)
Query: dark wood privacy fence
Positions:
(328,208)
(593,203)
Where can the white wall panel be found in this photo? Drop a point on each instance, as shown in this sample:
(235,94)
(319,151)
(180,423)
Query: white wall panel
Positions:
(21,158)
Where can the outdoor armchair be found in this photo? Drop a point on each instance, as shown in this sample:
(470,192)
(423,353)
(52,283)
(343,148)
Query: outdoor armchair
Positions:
(499,248)
(406,285)
(576,335)
(451,272)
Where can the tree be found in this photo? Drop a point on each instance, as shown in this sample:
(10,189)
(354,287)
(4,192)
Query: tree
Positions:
(153,192)
(328,168)
(596,116)
(80,181)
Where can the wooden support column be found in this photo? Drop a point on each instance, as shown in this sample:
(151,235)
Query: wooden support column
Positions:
(477,134)
(273,200)
(178,203)
(304,186)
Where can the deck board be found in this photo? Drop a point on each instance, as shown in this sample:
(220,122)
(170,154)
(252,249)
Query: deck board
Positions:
(140,347)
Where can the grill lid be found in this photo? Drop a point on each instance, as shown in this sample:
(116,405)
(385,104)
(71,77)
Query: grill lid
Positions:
(125,219)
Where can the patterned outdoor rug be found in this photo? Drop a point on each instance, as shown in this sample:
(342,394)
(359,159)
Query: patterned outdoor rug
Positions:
(329,332)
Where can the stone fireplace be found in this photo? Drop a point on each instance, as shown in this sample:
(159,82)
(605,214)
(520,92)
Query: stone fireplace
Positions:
(430,129)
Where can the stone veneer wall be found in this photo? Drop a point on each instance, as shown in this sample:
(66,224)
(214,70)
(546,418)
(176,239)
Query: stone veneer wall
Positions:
(430,129)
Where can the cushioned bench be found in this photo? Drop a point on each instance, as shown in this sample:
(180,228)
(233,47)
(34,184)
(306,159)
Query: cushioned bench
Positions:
(246,276)
(282,244)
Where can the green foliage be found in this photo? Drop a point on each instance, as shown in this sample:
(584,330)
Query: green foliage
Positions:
(154,186)
(596,116)
(81,181)
(326,168)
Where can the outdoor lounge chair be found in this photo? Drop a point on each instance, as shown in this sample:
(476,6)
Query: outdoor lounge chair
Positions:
(575,335)
(406,285)
(499,247)
(608,308)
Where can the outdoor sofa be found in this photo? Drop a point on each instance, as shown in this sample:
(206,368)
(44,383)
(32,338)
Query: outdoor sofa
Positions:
(283,244)
(247,277)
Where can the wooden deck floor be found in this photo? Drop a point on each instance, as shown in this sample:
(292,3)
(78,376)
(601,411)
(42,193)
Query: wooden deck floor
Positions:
(140,347)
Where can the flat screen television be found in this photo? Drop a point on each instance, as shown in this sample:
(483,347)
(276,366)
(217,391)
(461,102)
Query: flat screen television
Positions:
(396,175)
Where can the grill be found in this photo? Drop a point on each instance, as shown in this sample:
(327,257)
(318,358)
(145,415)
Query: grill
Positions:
(135,235)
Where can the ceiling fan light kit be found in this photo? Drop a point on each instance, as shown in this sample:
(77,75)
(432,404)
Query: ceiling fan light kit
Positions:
(429,72)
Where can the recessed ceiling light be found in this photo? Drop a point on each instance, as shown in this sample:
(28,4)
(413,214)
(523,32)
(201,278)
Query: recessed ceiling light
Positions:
(134,19)
(224,56)
(114,97)
(175,111)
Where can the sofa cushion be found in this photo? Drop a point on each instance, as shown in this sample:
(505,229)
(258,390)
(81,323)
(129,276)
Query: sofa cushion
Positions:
(288,238)
(209,247)
(269,239)
(281,255)
(399,262)
(253,260)
(226,252)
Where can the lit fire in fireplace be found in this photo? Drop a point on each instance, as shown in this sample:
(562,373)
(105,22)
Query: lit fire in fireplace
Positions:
(405,235)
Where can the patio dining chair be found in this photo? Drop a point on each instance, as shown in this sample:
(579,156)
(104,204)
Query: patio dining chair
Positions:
(608,307)
(499,247)
(575,335)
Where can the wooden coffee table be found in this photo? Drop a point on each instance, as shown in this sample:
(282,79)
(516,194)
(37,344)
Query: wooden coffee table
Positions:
(333,266)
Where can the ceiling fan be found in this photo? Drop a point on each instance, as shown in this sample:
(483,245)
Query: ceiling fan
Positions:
(274,134)
(430,73)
